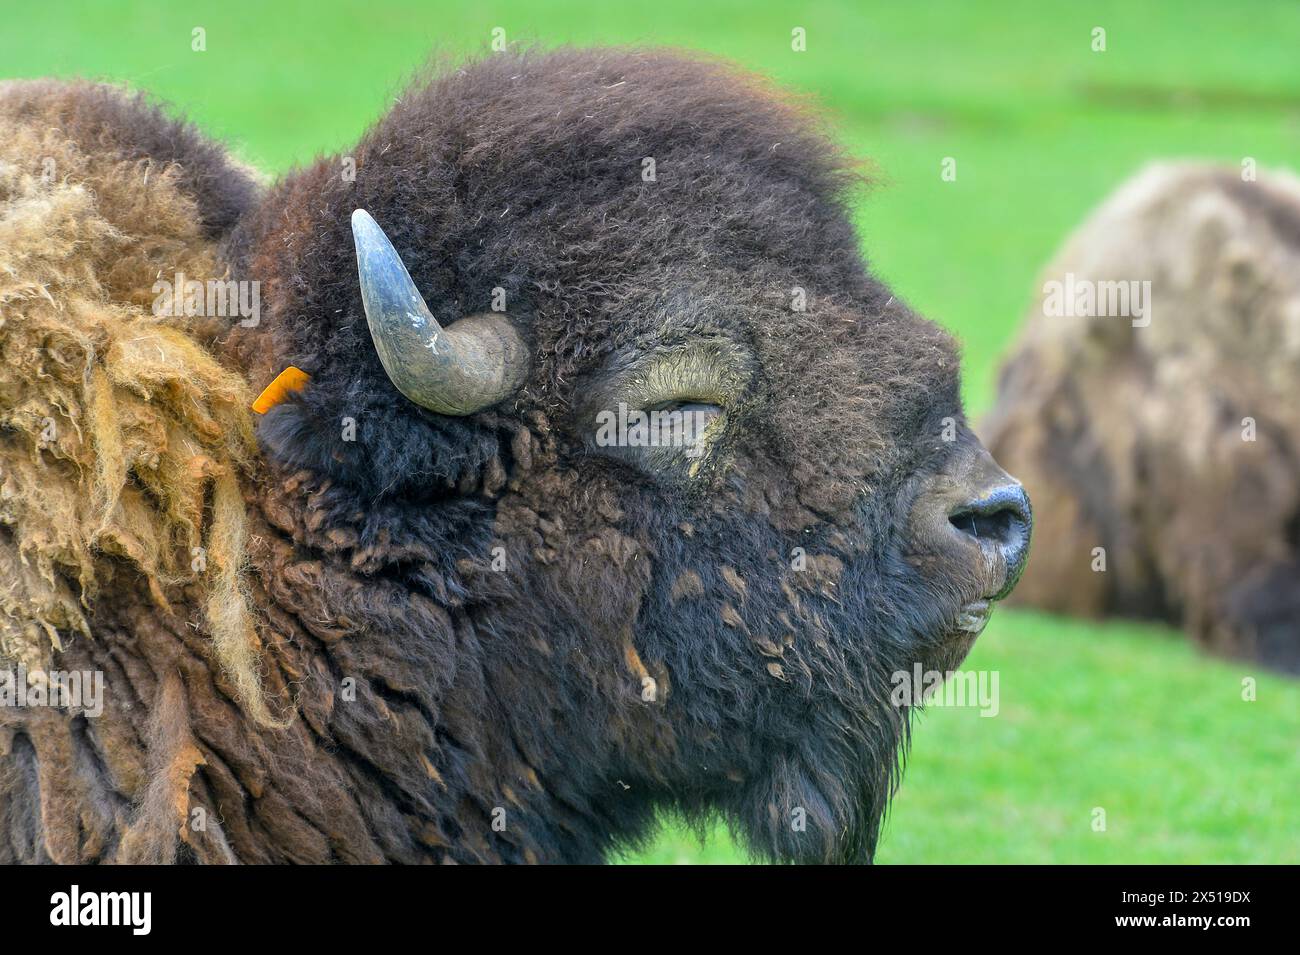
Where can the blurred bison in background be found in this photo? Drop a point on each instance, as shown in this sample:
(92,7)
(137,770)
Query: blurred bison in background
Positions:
(436,612)
(1169,434)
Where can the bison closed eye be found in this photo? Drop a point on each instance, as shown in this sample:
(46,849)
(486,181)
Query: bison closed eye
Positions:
(596,486)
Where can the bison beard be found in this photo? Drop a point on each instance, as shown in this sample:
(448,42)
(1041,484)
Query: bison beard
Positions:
(482,638)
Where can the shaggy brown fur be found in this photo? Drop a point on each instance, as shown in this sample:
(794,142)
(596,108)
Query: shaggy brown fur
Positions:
(466,622)
(1131,438)
(121,437)
(130,423)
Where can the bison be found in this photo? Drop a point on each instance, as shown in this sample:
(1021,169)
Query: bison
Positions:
(1163,444)
(595,476)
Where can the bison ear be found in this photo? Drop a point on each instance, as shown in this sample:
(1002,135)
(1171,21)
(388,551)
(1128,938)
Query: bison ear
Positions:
(472,364)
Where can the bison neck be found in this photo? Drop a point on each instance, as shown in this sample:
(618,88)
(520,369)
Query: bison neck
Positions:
(417,729)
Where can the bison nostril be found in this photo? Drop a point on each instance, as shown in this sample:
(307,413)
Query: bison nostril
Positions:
(999,520)
(1001,526)
(998,527)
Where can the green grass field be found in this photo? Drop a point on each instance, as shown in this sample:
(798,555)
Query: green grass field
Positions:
(1122,717)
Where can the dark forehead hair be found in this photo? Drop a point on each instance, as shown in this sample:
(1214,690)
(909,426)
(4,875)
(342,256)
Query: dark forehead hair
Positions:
(598,190)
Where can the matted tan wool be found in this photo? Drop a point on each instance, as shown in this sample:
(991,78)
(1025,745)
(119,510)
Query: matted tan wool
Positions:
(121,437)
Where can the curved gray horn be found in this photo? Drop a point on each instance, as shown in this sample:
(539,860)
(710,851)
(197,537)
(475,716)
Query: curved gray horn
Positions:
(471,364)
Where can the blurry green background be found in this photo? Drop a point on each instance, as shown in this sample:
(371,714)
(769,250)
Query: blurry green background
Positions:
(1123,717)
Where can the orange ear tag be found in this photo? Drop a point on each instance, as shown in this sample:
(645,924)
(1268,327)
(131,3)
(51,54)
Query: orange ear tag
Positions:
(290,380)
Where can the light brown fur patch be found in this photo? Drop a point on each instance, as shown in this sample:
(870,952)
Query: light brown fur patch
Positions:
(116,424)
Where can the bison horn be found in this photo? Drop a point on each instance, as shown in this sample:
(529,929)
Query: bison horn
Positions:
(469,365)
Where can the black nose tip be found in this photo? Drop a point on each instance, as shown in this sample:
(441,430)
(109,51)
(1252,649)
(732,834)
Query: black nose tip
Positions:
(1000,520)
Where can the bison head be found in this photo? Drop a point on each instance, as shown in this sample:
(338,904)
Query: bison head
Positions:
(689,484)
